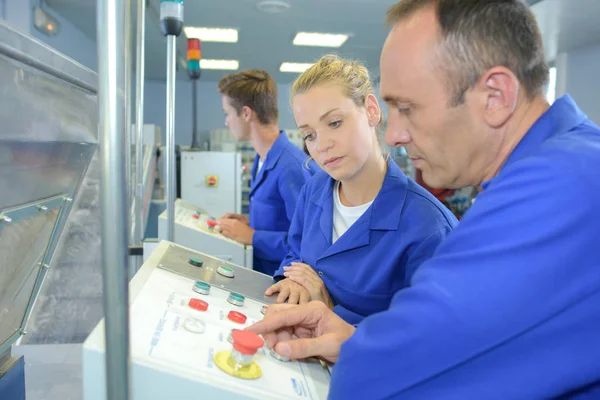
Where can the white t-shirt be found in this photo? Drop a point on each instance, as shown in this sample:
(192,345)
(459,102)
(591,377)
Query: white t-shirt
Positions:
(344,217)
(258,168)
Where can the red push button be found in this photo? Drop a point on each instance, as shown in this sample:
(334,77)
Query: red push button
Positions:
(196,216)
(237,317)
(198,304)
(246,342)
(211,223)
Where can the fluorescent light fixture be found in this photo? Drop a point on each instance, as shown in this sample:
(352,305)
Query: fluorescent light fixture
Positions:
(223,35)
(219,64)
(294,67)
(319,39)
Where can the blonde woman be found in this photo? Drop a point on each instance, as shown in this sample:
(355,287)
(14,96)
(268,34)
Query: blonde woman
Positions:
(361,227)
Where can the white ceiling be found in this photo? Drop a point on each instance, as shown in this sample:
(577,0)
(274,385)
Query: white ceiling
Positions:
(265,40)
(567,24)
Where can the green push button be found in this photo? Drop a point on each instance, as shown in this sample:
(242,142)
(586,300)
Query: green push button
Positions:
(236,299)
(226,271)
(196,262)
(201,287)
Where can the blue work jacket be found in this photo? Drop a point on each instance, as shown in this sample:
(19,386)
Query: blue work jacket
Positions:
(379,253)
(273,195)
(509,307)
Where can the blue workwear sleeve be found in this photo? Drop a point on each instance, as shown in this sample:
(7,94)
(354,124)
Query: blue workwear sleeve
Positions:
(272,245)
(294,239)
(349,316)
(519,258)
(424,251)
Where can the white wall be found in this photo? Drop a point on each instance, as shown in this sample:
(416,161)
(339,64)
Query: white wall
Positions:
(70,41)
(17,13)
(577,75)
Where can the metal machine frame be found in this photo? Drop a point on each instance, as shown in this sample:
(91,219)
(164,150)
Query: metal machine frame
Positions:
(42,164)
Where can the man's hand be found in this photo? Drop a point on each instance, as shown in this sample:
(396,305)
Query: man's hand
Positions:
(302,331)
(306,276)
(238,217)
(290,290)
(236,230)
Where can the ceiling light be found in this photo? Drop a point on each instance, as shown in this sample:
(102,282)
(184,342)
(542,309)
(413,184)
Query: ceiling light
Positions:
(273,6)
(219,64)
(319,39)
(223,35)
(294,67)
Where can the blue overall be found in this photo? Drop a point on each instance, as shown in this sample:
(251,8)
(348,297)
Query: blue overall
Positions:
(379,253)
(509,306)
(273,195)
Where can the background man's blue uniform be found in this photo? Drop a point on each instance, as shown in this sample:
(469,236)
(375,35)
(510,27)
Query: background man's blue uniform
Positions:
(273,195)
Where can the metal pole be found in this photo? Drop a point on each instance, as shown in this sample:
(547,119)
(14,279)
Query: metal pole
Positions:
(111,84)
(129,160)
(139,124)
(127,63)
(195,144)
(171,190)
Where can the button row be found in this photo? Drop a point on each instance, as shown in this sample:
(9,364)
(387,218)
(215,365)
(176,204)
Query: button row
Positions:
(201,305)
(222,270)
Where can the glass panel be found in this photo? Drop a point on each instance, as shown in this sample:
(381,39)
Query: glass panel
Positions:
(22,247)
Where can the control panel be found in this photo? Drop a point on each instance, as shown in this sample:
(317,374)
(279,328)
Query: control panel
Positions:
(196,229)
(187,315)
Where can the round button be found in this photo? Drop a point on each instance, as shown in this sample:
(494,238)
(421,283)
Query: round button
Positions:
(278,356)
(194,325)
(264,309)
(198,304)
(236,299)
(201,287)
(320,273)
(236,317)
(246,342)
(226,271)
(211,223)
(196,216)
(196,262)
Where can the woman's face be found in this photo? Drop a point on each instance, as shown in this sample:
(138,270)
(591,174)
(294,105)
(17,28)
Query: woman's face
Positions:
(339,135)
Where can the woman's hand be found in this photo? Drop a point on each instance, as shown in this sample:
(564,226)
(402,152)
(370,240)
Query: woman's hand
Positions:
(290,290)
(306,276)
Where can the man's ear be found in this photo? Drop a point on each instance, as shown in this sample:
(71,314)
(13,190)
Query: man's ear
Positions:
(247,113)
(499,87)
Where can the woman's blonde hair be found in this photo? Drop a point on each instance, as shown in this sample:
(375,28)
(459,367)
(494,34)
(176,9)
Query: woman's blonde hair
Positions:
(350,75)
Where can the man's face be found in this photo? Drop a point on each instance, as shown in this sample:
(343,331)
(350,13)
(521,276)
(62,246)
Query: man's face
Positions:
(239,127)
(447,143)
